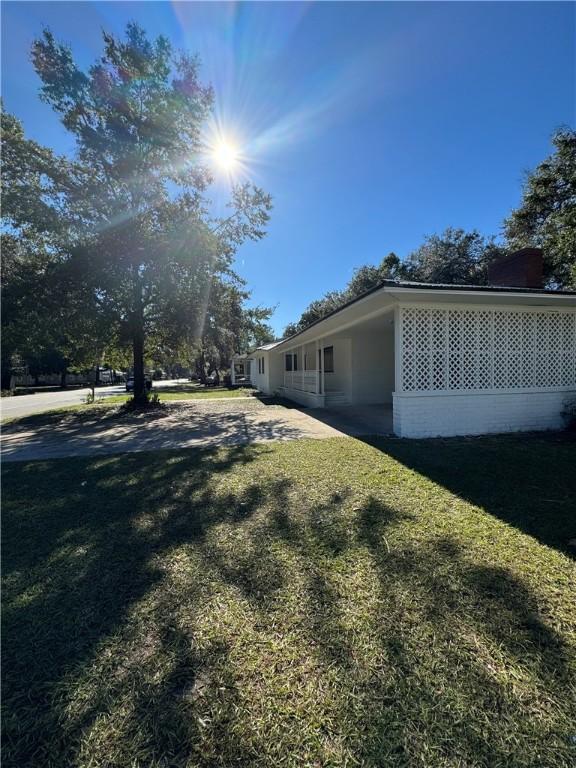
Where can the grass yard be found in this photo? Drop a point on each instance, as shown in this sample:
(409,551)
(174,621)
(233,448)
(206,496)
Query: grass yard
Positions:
(98,409)
(310,603)
(187,392)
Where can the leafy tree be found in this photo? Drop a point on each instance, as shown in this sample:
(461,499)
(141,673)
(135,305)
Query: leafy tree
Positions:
(454,257)
(32,180)
(369,276)
(290,330)
(546,217)
(140,231)
(316,311)
(229,327)
(364,279)
(50,321)
(49,314)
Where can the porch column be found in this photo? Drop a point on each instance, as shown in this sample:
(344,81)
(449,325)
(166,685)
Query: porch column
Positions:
(323,366)
(317,366)
(398,349)
(233,372)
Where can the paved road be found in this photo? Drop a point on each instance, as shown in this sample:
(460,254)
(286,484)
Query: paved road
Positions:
(25,405)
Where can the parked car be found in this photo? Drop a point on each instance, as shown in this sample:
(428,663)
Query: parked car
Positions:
(130,384)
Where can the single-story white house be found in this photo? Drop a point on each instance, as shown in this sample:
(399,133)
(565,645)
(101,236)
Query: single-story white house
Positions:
(446,359)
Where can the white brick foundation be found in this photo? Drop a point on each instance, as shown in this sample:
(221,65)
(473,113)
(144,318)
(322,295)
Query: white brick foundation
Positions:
(443,415)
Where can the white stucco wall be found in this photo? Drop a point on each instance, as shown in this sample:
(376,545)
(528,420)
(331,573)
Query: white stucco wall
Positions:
(340,380)
(259,380)
(274,371)
(271,380)
(476,414)
(372,365)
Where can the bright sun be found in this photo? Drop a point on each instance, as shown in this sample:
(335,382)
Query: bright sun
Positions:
(225,155)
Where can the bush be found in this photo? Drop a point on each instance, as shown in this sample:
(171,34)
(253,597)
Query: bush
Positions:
(569,415)
(152,402)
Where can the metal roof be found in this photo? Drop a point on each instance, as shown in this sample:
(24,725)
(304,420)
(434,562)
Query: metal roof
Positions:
(271,345)
(431,286)
(458,287)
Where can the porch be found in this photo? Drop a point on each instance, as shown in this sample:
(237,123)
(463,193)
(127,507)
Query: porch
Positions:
(353,366)
(241,371)
(357,420)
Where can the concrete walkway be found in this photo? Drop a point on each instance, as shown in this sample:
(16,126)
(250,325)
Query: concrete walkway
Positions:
(184,424)
(179,425)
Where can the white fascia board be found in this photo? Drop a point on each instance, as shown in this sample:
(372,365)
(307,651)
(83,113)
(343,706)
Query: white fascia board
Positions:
(337,322)
(439,295)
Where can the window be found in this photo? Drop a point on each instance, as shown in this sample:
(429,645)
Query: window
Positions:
(295,362)
(288,363)
(329,359)
(262,365)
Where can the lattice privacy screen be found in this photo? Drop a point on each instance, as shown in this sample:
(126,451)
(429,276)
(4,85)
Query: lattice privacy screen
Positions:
(471,349)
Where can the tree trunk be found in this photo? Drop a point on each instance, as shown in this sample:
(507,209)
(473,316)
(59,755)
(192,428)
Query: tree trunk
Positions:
(201,368)
(6,375)
(139,383)
(140,394)
(63,375)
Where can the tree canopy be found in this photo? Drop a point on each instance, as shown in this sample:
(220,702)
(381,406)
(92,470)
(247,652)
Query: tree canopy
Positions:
(128,219)
(364,279)
(546,217)
(455,256)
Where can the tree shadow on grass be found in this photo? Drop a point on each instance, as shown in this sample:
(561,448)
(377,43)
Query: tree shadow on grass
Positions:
(466,663)
(144,616)
(454,659)
(508,476)
(74,572)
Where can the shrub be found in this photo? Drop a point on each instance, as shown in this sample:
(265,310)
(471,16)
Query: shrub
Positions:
(569,414)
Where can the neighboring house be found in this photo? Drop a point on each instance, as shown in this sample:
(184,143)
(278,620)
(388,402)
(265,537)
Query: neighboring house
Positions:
(446,359)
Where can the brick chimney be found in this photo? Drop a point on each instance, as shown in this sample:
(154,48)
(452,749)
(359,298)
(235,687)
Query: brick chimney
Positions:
(521,269)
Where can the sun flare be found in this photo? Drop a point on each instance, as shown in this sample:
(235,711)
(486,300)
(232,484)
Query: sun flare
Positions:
(225,155)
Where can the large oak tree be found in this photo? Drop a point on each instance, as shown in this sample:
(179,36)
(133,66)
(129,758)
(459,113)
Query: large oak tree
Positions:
(546,217)
(138,222)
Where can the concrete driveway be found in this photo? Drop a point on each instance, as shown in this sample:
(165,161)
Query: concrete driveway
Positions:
(178,425)
(183,424)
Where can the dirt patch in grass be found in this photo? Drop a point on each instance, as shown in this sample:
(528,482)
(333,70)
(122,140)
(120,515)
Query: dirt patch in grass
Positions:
(313,603)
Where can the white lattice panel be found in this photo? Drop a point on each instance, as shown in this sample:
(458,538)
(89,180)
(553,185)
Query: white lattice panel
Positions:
(480,349)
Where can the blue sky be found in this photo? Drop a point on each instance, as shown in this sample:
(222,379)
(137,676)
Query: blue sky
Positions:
(371,124)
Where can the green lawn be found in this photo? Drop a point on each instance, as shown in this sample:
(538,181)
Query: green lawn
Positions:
(187,392)
(302,604)
(179,392)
